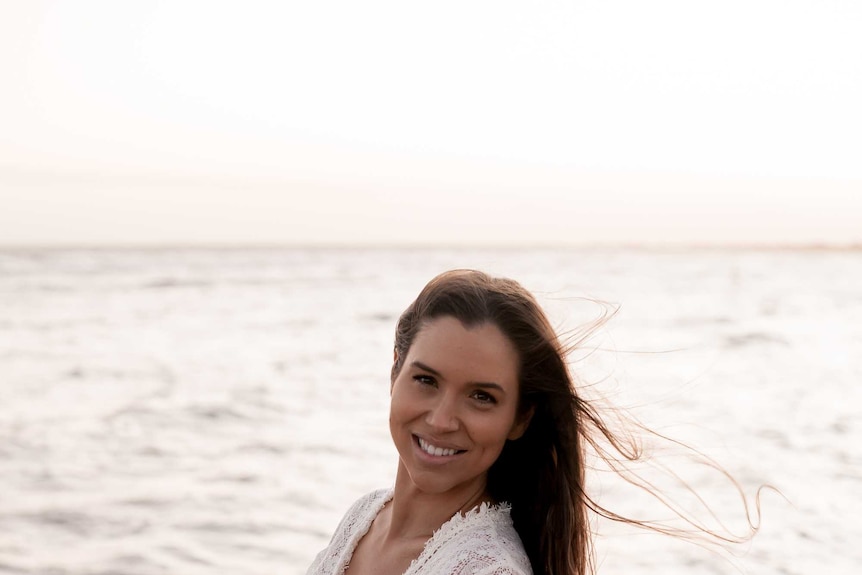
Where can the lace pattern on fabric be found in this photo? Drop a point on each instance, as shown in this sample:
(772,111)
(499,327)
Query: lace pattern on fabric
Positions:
(483,541)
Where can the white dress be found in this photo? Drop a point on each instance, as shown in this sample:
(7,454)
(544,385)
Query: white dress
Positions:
(481,542)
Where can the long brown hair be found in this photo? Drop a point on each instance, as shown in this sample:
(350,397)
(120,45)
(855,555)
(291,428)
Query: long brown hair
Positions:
(541,474)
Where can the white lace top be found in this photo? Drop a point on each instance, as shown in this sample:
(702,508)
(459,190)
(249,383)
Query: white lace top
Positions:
(481,542)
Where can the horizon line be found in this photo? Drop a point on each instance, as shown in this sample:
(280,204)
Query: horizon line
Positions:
(263,246)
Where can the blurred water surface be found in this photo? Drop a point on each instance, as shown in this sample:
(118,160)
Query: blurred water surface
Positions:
(216,411)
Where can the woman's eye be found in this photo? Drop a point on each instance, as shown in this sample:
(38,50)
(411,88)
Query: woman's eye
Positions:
(484,397)
(424,379)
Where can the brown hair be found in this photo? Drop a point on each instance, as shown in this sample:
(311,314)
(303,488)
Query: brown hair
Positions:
(541,474)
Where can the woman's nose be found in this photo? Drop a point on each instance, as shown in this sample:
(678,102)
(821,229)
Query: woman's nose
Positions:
(443,415)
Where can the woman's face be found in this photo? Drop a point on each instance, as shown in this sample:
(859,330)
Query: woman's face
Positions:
(454,405)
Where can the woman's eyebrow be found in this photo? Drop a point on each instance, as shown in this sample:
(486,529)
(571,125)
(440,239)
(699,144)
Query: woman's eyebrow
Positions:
(424,367)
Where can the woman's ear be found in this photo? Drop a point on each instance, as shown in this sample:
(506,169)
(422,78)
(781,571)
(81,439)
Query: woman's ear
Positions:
(521,424)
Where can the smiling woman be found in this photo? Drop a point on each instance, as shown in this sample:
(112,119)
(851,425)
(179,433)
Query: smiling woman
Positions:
(450,422)
(491,434)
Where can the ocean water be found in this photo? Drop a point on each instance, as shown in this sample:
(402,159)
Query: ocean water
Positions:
(216,411)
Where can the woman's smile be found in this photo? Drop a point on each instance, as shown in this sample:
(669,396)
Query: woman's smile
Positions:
(435,450)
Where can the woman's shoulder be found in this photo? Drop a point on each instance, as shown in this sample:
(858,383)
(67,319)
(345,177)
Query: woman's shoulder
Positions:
(363,509)
(354,524)
(481,541)
(374,499)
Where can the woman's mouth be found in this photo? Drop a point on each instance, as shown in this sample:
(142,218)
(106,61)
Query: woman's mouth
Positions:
(431,449)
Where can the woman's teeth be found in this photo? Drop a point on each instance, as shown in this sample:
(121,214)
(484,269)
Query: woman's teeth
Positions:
(432,450)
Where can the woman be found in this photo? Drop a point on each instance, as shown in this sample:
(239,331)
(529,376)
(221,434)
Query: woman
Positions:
(490,433)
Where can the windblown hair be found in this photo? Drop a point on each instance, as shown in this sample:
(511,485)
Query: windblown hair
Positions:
(541,474)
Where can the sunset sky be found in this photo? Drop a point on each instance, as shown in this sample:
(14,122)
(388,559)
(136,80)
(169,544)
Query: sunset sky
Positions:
(482,123)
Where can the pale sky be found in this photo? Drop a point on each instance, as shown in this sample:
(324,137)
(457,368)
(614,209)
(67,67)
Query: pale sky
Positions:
(518,123)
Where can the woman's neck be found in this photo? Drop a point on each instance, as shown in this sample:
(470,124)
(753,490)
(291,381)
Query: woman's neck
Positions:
(415,513)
